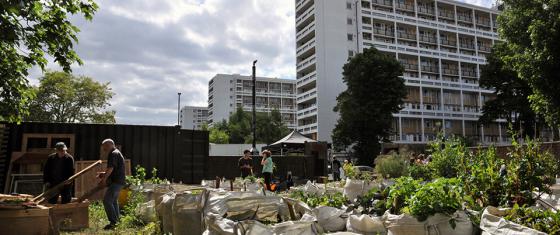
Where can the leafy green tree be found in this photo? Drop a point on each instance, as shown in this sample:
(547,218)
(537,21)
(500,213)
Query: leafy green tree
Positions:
(29,31)
(270,128)
(511,94)
(374,92)
(218,133)
(531,29)
(63,97)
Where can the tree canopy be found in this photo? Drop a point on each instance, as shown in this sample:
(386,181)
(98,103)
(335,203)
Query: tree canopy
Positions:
(374,92)
(511,94)
(63,97)
(270,128)
(29,31)
(531,30)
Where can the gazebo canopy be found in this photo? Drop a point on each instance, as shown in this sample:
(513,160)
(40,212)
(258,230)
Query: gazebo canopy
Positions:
(293,138)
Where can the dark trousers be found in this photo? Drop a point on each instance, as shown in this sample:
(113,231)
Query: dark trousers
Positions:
(65,194)
(267,179)
(336,176)
(245,173)
(111,203)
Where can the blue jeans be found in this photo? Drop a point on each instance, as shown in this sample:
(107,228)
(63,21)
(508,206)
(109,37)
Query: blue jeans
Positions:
(111,204)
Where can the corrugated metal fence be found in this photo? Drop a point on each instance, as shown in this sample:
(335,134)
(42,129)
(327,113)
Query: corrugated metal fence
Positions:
(177,154)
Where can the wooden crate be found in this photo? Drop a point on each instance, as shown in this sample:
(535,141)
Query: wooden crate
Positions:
(88,180)
(26,222)
(70,217)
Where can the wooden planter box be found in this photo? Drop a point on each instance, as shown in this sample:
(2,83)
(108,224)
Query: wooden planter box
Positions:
(70,217)
(26,222)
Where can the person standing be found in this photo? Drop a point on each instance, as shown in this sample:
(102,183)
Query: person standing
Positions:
(245,164)
(114,178)
(267,169)
(58,168)
(336,169)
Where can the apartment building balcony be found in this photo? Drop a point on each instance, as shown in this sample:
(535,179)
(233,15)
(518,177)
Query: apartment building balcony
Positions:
(382,3)
(406,35)
(446,14)
(428,39)
(447,42)
(450,71)
(466,72)
(308,129)
(301,5)
(426,10)
(483,21)
(388,32)
(452,107)
(304,17)
(307,95)
(305,47)
(366,5)
(409,66)
(484,48)
(430,69)
(404,6)
(471,108)
(307,79)
(412,105)
(465,18)
(307,112)
(305,31)
(468,46)
(306,63)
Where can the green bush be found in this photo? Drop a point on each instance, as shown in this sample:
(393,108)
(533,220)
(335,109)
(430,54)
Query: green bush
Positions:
(446,157)
(422,172)
(391,166)
(400,192)
(440,196)
(546,221)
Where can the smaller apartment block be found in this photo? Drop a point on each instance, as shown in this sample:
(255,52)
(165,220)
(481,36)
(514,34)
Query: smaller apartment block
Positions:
(227,92)
(193,117)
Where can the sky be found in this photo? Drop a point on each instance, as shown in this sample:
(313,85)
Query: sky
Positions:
(151,50)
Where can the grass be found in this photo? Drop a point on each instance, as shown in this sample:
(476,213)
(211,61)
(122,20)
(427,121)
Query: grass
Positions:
(128,224)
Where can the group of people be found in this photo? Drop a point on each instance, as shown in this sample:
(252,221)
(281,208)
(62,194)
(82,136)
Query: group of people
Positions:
(245,164)
(338,169)
(420,159)
(59,167)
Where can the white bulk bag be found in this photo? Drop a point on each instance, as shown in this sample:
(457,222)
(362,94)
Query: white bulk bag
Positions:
(365,224)
(493,223)
(436,224)
(187,212)
(147,212)
(354,188)
(330,219)
(165,212)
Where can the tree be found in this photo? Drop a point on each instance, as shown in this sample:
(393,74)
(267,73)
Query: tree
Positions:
(270,127)
(30,30)
(531,29)
(217,133)
(511,94)
(63,97)
(374,92)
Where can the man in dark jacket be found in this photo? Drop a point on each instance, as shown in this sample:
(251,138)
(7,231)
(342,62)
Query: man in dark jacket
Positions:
(58,168)
(114,178)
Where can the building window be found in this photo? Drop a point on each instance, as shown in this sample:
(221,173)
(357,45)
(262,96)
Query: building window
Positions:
(349,21)
(348,5)
(350,37)
(350,53)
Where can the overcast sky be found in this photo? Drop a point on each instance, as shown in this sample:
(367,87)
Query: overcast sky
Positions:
(149,50)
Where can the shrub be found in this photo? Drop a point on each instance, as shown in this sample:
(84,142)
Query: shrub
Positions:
(545,221)
(446,157)
(440,196)
(400,192)
(391,166)
(422,172)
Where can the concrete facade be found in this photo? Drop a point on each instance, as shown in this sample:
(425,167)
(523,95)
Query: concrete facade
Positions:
(193,117)
(441,44)
(226,92)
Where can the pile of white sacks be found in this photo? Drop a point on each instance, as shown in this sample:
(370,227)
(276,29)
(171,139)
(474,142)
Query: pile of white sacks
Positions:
(184,210)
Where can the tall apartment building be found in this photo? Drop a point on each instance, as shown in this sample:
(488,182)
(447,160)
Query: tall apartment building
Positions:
(193,117)
(227,92)
(441,44)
